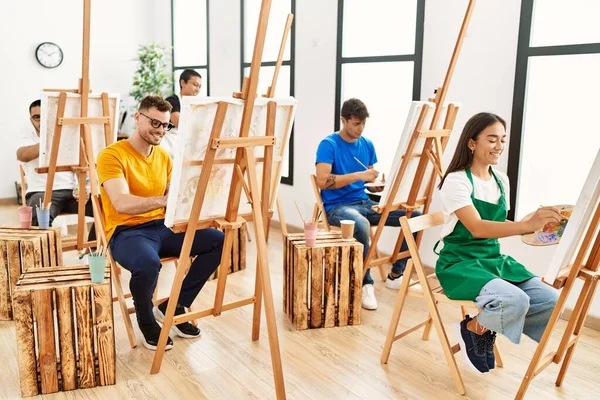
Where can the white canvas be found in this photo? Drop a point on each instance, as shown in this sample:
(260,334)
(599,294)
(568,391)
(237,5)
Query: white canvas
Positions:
(578,224)
(68,151)
(407,132)
(195,125)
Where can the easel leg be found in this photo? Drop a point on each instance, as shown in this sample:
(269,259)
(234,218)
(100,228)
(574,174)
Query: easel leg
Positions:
(402,293)
(261,256)
(223,270)
(580,321)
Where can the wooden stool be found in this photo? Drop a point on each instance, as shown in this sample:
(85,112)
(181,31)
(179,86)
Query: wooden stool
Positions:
(62,302)
(238,252)
(322,285)
(21,249)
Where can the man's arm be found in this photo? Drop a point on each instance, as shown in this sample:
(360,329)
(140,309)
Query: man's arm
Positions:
(175,119)
(28,153)
(327,180)
(126,203)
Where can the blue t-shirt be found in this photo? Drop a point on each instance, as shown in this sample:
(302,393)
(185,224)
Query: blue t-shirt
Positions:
(340,154)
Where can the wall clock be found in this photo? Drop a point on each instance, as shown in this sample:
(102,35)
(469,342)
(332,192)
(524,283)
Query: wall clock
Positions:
(49,55)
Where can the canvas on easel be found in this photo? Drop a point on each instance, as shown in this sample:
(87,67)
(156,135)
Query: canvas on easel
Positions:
(196,120)
(577,258)
(68,153)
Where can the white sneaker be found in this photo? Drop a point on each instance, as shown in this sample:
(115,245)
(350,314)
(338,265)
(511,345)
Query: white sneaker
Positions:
(369,302)
(393,283)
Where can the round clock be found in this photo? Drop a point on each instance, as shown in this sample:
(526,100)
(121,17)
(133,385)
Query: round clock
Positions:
(49,55)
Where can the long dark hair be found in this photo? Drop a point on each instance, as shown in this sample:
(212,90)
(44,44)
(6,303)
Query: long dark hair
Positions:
(463,157)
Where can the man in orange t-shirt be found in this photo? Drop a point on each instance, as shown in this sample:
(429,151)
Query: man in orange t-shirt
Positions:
(134,176)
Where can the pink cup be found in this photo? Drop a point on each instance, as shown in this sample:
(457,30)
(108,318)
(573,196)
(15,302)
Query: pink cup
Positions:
(310,233)
(25,216)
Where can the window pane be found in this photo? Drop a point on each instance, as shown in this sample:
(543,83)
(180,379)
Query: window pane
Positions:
(202,71)
(387,108)
(189,32)
(559,22)
(265,77)
(277,18)
(378,28)
(560,140)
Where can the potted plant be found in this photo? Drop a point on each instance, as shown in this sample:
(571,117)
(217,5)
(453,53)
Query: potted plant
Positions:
(151,76)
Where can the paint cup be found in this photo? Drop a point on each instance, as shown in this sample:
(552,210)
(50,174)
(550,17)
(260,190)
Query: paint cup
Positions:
(347,228)
(310,233)
(43,217)
(25,216)
(97,268)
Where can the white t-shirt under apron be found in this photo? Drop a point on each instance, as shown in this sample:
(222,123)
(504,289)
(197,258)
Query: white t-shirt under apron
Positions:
(456,194)
(37,182)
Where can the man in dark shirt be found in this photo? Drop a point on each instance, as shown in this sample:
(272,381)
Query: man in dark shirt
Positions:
(190,83)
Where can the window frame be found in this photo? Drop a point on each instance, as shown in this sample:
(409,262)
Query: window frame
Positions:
(416,58)
(194,67)
(287,180)
(524,53)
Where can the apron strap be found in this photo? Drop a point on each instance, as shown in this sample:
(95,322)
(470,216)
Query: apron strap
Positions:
(435,247)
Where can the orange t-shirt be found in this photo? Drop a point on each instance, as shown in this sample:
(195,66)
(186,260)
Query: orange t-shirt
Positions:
(145,176)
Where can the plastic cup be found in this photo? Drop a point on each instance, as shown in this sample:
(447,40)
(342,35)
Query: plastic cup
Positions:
(310,233)
(97,268)
(25,216)
(43,217)
(347,228)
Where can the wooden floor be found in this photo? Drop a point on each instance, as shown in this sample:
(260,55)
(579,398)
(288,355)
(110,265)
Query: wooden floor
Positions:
(333,363)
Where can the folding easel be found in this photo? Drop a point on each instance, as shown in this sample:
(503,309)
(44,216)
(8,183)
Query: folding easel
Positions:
(245,162)
(432,151)
(85,134)
(585,267)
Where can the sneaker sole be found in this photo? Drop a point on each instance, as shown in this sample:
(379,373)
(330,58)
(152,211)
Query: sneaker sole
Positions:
(153,348)
(158,315)
(463,349)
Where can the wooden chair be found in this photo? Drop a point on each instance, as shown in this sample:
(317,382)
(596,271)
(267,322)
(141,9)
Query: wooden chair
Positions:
(321,218)
(433,295)
(121,296)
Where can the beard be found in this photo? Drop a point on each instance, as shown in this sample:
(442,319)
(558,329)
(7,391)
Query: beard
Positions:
(151,137)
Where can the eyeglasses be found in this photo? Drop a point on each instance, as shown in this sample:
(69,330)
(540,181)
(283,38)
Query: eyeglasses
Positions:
(35,117)
(157,123)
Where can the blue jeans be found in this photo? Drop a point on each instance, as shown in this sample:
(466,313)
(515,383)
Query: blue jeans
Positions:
(364,216)
(515,308)
(139,250)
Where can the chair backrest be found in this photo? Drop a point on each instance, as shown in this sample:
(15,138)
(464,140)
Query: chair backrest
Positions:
(319,208)
(23,185)
(418,224)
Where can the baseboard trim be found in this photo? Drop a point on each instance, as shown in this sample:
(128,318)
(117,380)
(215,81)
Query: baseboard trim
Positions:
(591,321)
(8,201)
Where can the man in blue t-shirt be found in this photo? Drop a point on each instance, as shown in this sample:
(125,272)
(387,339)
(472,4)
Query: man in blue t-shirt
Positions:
(341,177)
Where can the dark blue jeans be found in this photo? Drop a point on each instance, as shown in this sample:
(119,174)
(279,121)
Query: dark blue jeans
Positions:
(139,250)
(364,216)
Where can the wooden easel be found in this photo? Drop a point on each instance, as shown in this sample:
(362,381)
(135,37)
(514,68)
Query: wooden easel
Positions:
(245,162)
(85,149)
(585,267)
(432,151)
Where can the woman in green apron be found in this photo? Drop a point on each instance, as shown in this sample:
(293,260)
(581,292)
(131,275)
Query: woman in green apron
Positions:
(511,299)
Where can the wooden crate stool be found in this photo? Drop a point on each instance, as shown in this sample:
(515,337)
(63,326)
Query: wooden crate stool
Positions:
(320,216)
(432,293)
(322,285)
(61,305)
(21,249)
(238,252)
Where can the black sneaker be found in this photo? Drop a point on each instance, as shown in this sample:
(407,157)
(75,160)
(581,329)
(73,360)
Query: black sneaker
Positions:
(184,330)
(474,346)
(489,351)
(151,334)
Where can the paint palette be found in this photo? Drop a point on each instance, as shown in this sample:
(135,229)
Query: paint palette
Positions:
(375,184)
(551,233)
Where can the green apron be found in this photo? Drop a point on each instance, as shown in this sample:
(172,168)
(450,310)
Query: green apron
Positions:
(466,264)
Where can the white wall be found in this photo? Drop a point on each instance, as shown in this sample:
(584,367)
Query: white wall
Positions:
(117,27)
